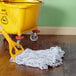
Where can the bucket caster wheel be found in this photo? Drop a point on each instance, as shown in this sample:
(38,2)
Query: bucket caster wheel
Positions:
(34,37)
(19,39)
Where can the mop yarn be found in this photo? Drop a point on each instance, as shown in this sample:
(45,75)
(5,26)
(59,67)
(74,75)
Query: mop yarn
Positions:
(41,58)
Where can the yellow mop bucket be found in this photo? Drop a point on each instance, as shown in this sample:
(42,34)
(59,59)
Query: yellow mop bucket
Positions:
(18,17)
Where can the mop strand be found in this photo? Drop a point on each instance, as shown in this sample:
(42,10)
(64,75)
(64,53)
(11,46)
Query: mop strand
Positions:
(41,58)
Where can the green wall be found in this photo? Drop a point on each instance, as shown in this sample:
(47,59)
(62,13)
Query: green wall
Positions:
(58,13)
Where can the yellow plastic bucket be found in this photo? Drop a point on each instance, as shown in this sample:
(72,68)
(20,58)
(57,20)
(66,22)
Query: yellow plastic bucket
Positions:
(19,17)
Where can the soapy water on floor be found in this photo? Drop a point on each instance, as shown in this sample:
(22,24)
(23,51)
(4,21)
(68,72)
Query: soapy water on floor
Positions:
(41,58)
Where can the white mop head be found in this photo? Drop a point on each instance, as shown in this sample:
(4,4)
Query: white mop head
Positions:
(41,58)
